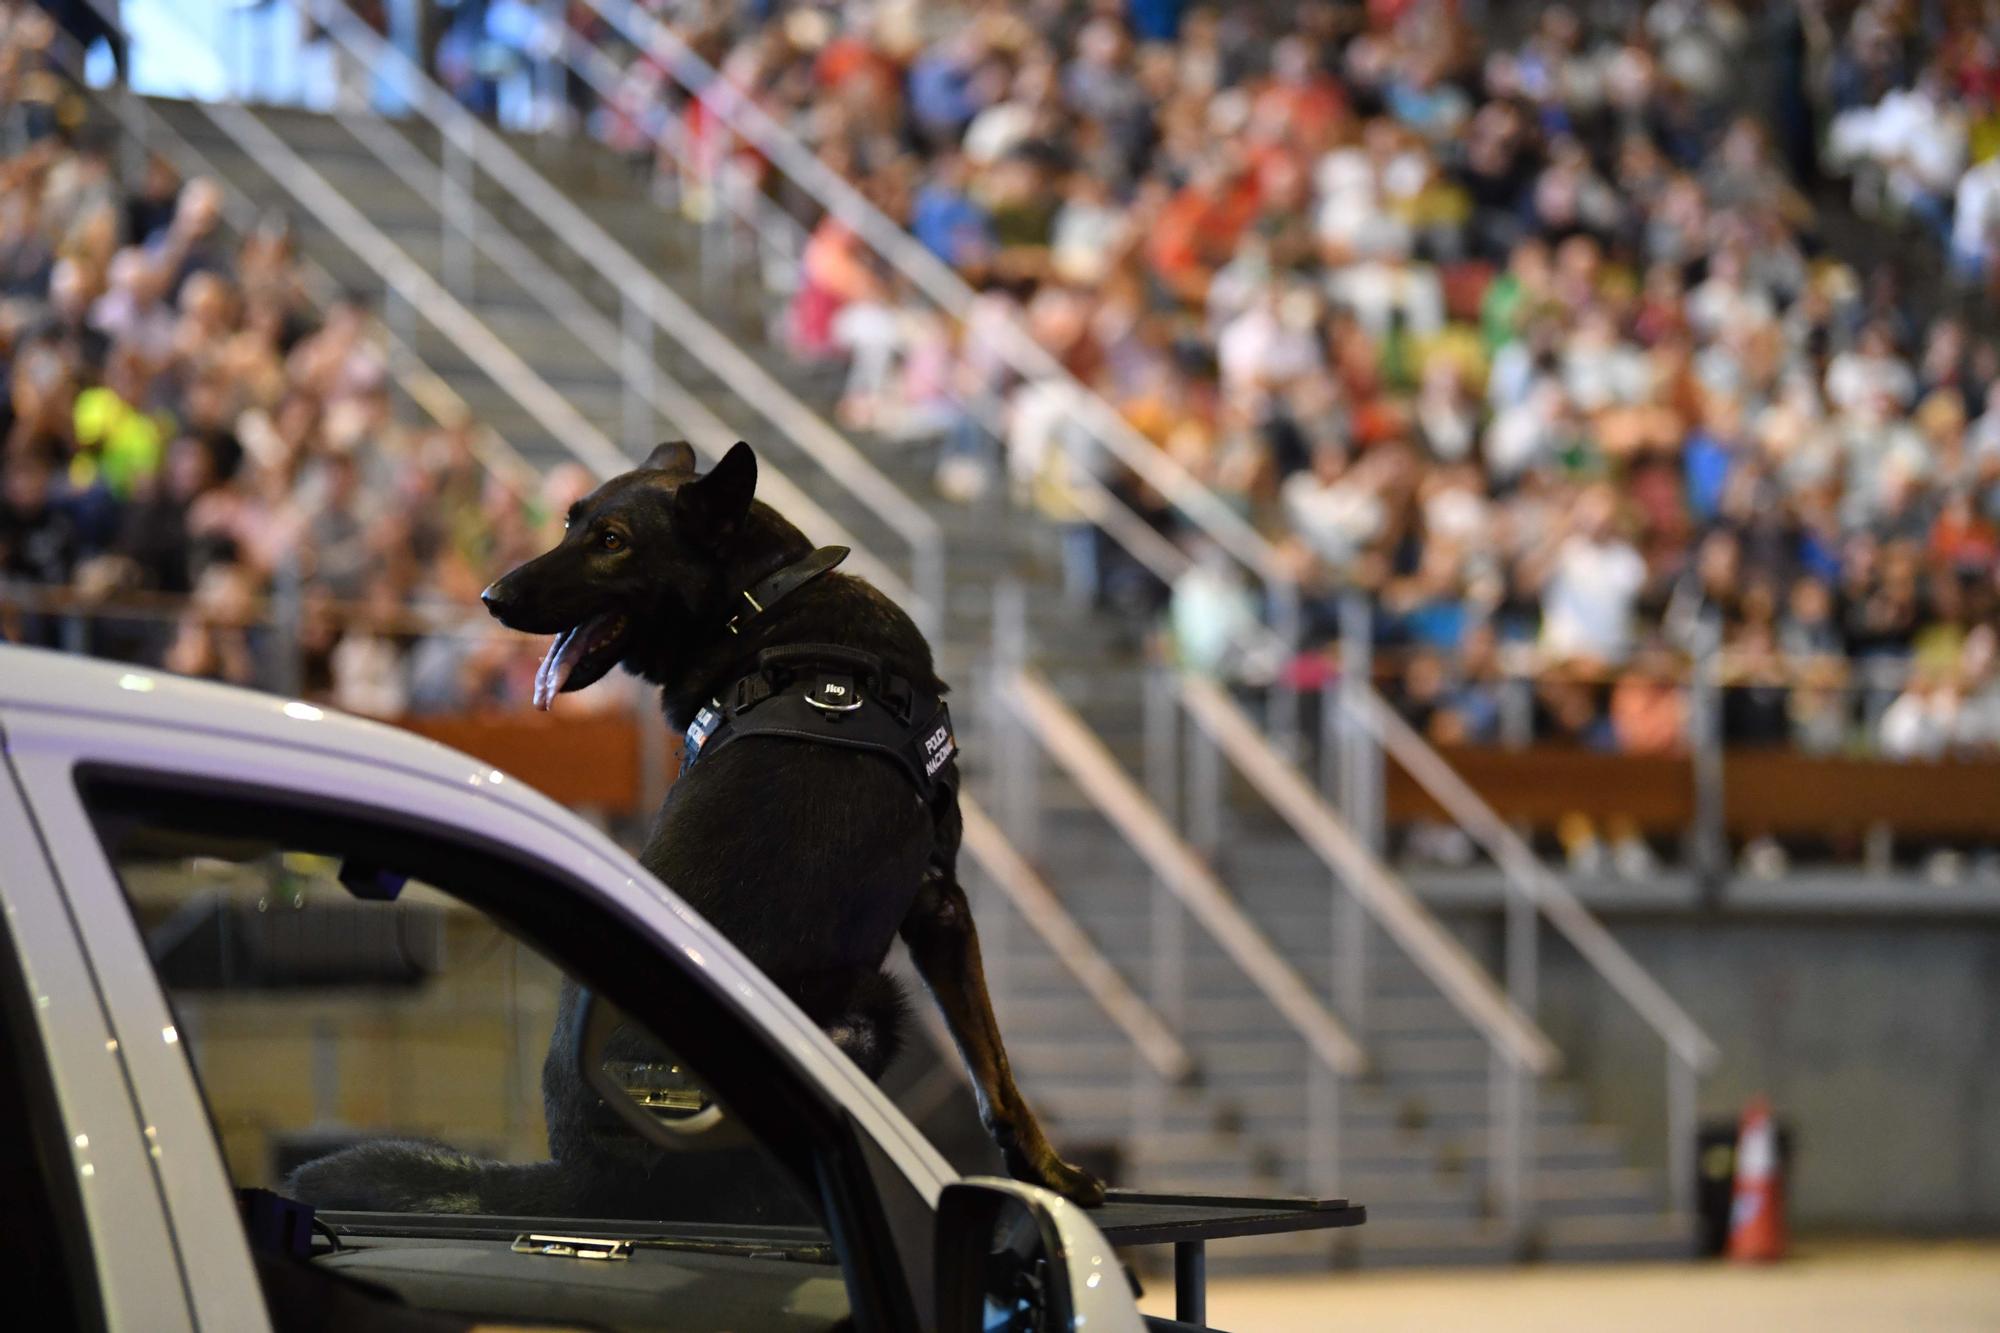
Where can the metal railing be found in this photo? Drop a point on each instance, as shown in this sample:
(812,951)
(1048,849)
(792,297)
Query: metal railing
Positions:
(650,308)
(1072,946)
(470,223)
(411,283)
(1073,746)
(1334,1053)
(145,129)
(780,239)
(1027,714)
(939,283)
(1520,1052)
(1535,890)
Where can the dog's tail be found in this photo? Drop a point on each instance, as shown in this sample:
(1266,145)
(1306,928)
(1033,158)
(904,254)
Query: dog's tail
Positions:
(412,1175)
(869,1028)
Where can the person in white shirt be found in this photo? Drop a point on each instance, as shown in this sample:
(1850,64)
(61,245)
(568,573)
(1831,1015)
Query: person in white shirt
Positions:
(1975,221)
(1592,582)
(1269,345)
(1336,508)
(1921,722)
(1870,373)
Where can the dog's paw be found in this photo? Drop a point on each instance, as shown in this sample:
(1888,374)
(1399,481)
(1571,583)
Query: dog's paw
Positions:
(1072,1182)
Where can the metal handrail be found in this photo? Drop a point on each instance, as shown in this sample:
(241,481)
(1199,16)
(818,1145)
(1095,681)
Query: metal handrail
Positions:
(592,330)
(1534,879)
(1442,958)
(942,285)
(409,280)
(777,229)
(424,387)
(841,461)
(1076,748)
(1072,945)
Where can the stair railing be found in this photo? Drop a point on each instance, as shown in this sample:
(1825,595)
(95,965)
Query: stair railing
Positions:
(1534,890)
(1031,716)
(656,390)
(147,129)
(780,238)
(650,307)
(1102,423)
(1519,1052)
(407,281)
(1150,1034)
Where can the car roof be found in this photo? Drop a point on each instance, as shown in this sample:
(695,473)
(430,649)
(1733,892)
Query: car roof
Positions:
(45,681)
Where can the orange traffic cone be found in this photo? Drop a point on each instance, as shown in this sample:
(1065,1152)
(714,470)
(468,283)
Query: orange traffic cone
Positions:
(1757,1211)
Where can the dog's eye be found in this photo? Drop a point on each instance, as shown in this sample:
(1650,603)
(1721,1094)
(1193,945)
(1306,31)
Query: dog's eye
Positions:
(611,541)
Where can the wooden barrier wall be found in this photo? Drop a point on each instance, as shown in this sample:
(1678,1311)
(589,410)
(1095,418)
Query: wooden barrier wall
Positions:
(590,759)
(594,760)
(1763,791)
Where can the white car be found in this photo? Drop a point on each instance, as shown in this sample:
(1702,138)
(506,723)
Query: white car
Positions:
(243,934)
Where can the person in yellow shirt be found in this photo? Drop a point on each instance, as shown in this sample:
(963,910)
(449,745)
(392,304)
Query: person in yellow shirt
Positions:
(117,440)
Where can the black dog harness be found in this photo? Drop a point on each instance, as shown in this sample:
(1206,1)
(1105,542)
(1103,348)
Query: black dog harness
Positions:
(829,695)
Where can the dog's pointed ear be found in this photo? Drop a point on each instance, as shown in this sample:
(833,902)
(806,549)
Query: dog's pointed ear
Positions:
(715,503)
(673,456)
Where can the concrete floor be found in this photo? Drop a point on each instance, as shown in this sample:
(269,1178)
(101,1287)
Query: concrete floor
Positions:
(1826,1287)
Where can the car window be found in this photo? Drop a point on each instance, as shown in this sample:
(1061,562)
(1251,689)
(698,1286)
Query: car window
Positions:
(378,1035)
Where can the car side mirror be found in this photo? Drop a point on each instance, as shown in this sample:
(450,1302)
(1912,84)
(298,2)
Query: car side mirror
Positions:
(1014,1258)
(645,1085)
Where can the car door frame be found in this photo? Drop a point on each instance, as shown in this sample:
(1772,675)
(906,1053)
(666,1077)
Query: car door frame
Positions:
(195,1180)
(134,1261)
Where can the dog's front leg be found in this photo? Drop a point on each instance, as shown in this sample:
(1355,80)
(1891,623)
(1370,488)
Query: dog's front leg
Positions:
(945,948)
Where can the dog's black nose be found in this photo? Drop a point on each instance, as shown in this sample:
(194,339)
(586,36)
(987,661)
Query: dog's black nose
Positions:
(497,600)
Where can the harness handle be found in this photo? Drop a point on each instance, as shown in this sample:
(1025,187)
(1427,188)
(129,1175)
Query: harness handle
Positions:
(794,656)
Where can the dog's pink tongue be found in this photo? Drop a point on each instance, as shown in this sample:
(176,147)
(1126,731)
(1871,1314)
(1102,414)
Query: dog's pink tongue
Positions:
(562,657)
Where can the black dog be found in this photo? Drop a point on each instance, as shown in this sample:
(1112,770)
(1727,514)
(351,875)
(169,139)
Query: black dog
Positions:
(812,858)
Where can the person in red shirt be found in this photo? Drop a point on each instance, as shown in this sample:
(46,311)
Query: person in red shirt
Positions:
(1199,227)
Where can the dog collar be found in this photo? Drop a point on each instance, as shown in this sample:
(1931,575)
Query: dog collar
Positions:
(786,580)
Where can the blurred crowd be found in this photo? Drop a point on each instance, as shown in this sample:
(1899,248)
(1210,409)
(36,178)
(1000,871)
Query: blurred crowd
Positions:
(1910,96)
(1555,333)
(201,469)
(1541,340)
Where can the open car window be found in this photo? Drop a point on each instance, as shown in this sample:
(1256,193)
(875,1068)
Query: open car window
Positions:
(391,1028)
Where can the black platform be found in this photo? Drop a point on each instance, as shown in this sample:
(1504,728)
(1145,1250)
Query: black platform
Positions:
(1189,1221)
(1128,1219)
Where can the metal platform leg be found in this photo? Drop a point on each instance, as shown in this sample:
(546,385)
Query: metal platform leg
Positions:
(1191,1282)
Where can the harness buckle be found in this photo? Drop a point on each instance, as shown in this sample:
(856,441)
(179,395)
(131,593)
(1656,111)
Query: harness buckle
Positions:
(749,691)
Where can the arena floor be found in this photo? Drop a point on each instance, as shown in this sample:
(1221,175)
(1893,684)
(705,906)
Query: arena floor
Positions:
(1827,1287)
